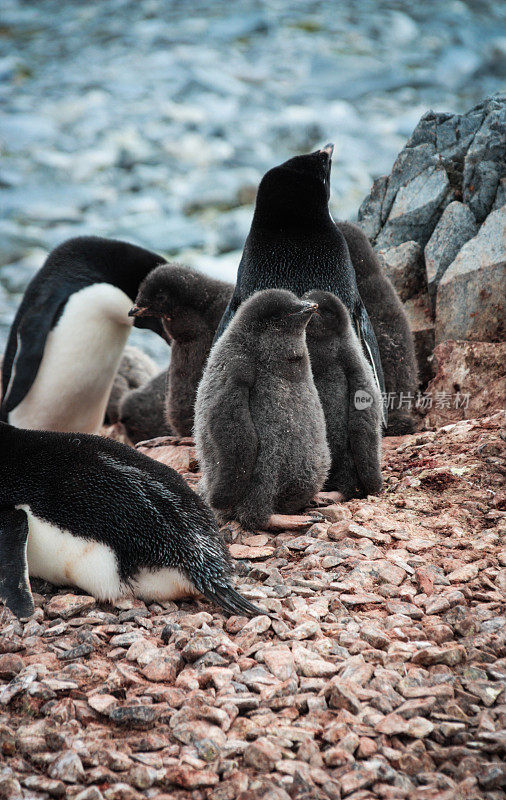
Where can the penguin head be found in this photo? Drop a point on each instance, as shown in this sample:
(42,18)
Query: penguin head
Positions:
(273,312)
(177,296)
(273,323)
(296,191)
(332,318)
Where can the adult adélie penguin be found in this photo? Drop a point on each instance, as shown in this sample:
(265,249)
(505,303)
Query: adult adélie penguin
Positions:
(81,510)
(67,337)
(294,244)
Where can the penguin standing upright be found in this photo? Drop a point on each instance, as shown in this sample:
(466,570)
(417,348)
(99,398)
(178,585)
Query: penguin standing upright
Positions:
(259,424)
(350,399)
(67,337)
(80,510)
(391,326)
(190,306)
(294,244)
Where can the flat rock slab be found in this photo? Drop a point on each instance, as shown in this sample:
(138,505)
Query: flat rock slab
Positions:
(252,553)
(176,452)
(69,605)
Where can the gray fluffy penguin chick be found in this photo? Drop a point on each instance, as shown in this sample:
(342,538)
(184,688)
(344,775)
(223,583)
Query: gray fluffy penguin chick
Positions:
(135,369)
(259,425)
(349,396)
(142,411)
(190,306)
(391,326)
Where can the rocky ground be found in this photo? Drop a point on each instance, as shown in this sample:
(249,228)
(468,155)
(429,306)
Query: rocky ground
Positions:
(381,675)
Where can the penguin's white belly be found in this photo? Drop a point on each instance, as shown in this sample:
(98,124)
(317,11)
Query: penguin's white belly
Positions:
(61,558)
(81,356)
(162,584)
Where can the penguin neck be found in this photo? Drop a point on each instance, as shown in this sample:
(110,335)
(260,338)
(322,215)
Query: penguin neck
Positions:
(106,301)
(293,217)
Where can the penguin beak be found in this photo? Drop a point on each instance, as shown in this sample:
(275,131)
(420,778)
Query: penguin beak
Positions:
(140,311)
(328,149)
(307,308)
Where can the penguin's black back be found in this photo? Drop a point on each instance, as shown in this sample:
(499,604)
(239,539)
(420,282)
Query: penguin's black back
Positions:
(107,492)
(91,259)
(294,244)
(70,267)
(298,261)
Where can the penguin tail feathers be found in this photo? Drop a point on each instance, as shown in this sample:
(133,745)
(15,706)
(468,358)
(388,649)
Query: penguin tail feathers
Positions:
(230,600)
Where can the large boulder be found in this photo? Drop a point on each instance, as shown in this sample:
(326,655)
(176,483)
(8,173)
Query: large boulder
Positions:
(403,265)
(417,207)
(456,226)
(471,294)
(469,148)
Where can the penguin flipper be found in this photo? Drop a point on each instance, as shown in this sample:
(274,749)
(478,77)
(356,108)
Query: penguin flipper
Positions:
(32,331)
(15,588)
(367,339)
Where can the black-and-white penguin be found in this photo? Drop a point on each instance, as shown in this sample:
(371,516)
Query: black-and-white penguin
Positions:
(294,244)
(80,510)
(67,337)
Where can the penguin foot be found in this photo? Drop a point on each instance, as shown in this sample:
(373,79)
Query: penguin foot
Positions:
(291,522)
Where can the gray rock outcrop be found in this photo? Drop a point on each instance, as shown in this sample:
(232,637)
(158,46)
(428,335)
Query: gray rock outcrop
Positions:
(438,223)
(456,226)
(471,295)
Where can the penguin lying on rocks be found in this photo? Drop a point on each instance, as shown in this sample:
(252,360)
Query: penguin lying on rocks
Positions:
(80,510)
(67,337)
(189,305)
(391,326)
(349,396)
(259,425)
(294,244)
